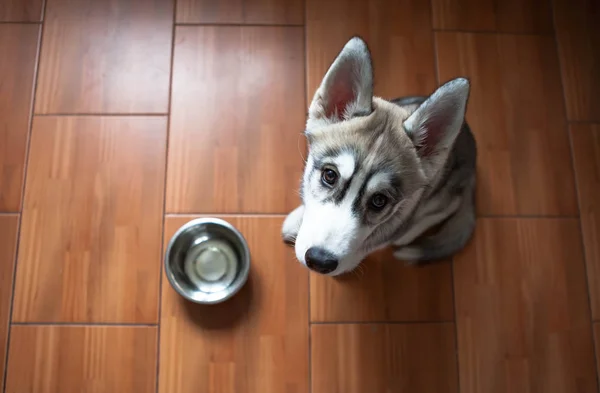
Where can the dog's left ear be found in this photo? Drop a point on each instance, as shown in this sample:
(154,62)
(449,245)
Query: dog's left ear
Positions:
(347,88)
(434,126)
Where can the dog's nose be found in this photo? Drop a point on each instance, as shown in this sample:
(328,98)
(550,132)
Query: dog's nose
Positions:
(320,260)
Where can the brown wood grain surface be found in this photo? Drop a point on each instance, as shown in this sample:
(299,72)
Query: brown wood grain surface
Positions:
(522,308)
(257,341)
(516,112)
(237,119)
(508,16)
(18,49)
(398,34)
(82,359)
(597,336)
(9,225)
(90,239)
(105,57)
(586,156)
(289,12)
(384,358)
(578,38)
(149,113)
(384,289)
(21,10)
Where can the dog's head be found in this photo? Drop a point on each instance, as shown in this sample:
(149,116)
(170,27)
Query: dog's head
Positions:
(369,160)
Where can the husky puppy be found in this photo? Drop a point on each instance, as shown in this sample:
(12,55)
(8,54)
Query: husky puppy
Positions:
(382,173)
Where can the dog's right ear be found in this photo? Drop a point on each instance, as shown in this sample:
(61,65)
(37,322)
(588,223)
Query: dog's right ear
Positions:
(347,89)
(436,123)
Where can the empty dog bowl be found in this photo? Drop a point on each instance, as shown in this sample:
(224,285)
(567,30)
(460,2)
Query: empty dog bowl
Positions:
(207,261)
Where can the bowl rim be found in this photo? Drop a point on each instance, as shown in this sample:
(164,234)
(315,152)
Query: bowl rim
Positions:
(245,259)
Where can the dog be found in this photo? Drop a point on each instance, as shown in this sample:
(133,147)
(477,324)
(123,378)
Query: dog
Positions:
(382,173)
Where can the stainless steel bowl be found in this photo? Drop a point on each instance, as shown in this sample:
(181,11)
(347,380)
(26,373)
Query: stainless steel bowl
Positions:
(207,261)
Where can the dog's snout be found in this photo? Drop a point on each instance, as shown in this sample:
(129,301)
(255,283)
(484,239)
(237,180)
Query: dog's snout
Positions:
(320,260)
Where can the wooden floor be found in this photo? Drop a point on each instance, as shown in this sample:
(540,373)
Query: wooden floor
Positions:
(121,120)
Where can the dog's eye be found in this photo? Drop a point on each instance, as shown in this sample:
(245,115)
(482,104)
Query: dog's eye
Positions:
(329,176)
(378,201)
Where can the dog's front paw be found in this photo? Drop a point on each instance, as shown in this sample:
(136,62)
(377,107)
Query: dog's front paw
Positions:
(291,225)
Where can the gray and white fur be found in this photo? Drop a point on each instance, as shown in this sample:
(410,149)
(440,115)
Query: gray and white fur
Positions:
(382,173)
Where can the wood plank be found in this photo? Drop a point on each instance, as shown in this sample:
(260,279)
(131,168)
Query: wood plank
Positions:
(90,242)
(586,156)
(21,10)
(105,57)
(523,315)
(578,37)
(384,289)
(508,16)
(257,341)
(236,121)
(18,45)
(517,114)
(9,224)
(597,335)
(384,358)
(283,12)
(76,359)
(398,34)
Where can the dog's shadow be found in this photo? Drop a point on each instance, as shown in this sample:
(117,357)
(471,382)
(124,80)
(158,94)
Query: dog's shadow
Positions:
(229,314)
